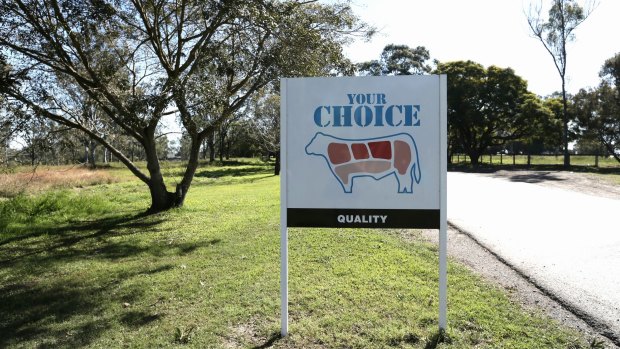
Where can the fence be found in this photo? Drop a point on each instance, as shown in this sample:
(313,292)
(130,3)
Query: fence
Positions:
(588,160)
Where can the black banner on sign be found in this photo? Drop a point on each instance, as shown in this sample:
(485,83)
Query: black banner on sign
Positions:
(362,218)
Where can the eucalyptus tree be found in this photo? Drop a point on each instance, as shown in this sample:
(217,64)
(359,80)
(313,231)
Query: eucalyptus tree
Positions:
(598,110)
(140,60)
(553,136)
(266,121)
(555,33)
(7,127)
(398,60)
(488,107)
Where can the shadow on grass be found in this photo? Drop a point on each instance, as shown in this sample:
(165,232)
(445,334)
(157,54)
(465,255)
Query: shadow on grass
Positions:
(51,246)
(136,319)
(51,239)
(406,339)
(104,224)
(65,313)
(232,171)
(437,338)
(47,299)
(432,342)
(275,336)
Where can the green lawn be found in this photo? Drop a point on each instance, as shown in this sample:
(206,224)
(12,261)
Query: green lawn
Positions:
(84,268)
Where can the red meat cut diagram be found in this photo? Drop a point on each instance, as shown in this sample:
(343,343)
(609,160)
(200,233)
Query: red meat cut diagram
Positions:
(376,157)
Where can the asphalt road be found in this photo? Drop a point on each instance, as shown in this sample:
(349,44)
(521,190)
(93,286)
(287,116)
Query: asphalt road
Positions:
(568,243)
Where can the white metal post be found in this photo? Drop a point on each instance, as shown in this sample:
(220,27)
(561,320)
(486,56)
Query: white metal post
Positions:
(283,222)
(443,223)
(284,280)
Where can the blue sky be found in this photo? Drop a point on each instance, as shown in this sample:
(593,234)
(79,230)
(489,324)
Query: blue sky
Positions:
(491,32)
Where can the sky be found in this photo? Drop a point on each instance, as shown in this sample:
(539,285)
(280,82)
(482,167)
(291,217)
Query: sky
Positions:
(491,32)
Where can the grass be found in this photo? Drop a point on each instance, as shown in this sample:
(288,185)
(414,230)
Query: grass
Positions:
(85,268)
(586,161)
(608,168)
(36,180)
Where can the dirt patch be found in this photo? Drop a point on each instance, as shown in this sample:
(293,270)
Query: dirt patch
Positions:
(247,334)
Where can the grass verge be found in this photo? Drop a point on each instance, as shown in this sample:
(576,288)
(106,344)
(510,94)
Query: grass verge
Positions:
(87,269)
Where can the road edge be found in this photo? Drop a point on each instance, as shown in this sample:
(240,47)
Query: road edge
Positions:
(522,288)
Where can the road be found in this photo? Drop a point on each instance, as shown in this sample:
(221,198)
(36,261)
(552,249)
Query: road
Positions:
(566,242)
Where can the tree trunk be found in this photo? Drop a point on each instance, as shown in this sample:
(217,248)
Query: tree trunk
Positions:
(612,151)
(161,198)
(91,154)
(474,157)
(565,126)
(205,149)
(221,146)
(211,143)
(276,171)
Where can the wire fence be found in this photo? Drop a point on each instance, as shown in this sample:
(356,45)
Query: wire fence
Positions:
(586,160)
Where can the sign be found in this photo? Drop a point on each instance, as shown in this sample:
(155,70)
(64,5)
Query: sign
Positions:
(363,152)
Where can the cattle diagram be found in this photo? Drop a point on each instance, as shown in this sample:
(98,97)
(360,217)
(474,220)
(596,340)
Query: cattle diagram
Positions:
(375,157)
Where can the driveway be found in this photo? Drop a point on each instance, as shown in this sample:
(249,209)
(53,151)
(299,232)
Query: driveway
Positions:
(566,242)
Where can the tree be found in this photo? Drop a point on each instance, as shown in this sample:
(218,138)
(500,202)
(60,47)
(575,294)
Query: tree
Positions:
(488,107)
(553,135)
(7,125)
(555,33)
(542,125)
(266,122)
(610,73)
(398,60)
(141,60)
(598,110)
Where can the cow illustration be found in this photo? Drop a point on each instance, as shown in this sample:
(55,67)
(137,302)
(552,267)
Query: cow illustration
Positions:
(375,157)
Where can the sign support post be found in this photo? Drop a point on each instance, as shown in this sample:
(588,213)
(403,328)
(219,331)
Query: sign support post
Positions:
(443,218)
(283,216)
(284,280)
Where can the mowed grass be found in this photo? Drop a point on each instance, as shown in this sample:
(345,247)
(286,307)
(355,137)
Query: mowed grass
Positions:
(85,268)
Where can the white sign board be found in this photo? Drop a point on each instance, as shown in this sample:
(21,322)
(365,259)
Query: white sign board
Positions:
(367,152)
(362,151)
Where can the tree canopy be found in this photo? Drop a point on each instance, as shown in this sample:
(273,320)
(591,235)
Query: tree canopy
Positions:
(610,73)
(488,107)
(140,60)
(398,60)
(598,110)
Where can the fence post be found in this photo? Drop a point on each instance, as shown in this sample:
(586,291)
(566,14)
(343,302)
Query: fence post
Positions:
(529,159)
(491,158)
(513,159)
(596,160)
(501,158)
